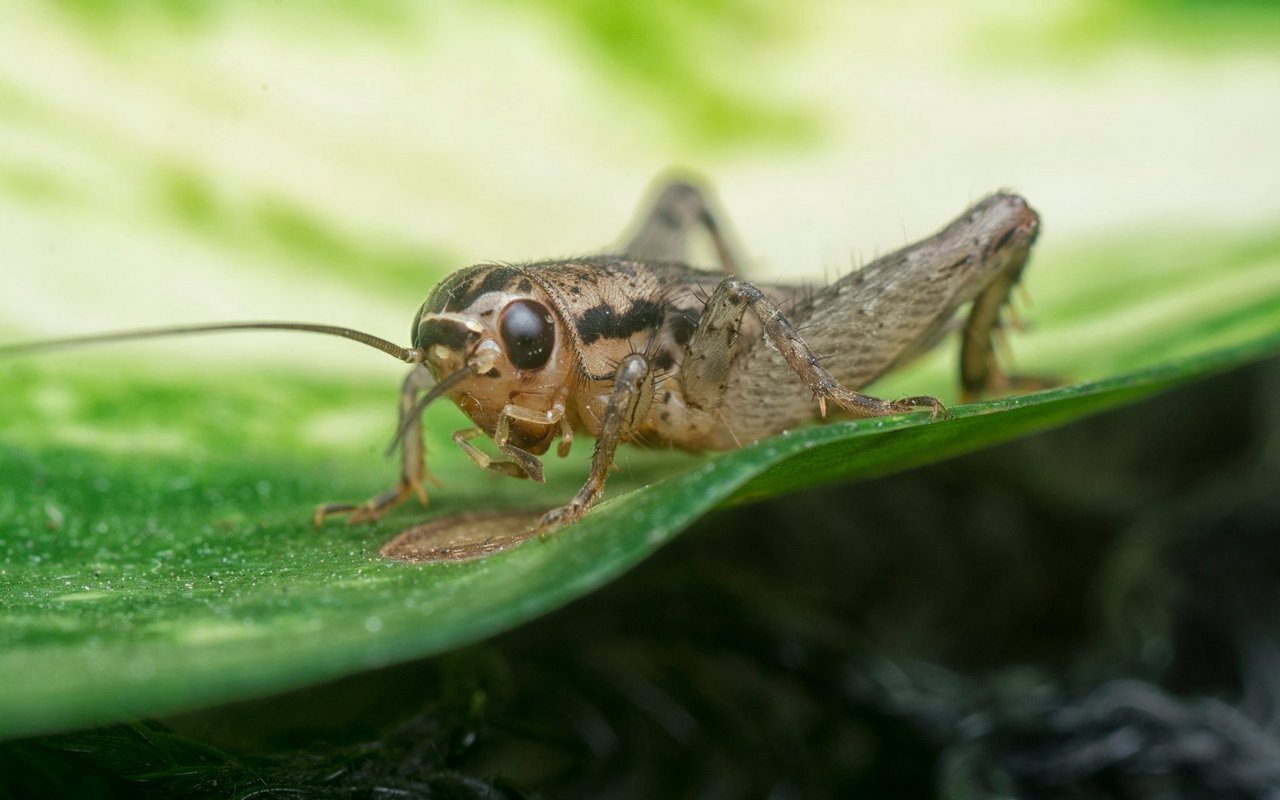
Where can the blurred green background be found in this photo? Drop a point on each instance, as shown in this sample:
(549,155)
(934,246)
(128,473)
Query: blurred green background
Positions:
(184,161)
(167,162)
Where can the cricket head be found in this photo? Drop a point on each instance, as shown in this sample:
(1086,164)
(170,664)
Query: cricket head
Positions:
(491,334)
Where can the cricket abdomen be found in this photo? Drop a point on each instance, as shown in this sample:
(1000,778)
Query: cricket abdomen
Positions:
(890,312)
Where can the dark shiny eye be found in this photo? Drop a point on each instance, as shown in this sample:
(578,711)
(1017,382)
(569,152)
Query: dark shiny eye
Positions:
(528,332)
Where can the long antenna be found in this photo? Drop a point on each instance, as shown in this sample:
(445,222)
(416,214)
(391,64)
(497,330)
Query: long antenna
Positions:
(448,382)
(405,354)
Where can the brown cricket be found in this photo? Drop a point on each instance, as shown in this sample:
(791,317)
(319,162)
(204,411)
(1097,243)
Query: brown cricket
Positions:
(638,346)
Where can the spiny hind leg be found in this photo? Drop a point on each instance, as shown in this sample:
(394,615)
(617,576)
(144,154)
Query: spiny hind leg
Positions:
(680,209)
(413,464)
(980,372)
(712,352)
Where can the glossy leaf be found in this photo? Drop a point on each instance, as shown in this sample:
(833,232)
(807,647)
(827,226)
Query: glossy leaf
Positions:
(144,578)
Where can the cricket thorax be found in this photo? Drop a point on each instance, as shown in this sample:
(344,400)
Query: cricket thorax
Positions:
(614,307)
(601,309)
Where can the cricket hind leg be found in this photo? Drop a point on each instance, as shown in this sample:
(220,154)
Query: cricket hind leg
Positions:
(680,209)
(712,351)
(980,373)
(413,463)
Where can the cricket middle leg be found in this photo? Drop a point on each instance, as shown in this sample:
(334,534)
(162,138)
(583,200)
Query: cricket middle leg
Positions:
(413,463)
(632,384)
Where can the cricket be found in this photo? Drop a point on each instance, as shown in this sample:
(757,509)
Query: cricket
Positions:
(637,346)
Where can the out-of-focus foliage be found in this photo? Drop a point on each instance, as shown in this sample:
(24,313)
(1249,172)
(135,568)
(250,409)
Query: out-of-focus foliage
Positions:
(673,55)
(1195,26)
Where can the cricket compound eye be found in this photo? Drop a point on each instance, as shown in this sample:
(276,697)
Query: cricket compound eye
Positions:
(528,332)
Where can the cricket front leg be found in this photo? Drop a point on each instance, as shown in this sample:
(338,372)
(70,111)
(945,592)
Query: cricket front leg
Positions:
(521,465)
(712,352)
(663,235)
(413,464)
(633,384)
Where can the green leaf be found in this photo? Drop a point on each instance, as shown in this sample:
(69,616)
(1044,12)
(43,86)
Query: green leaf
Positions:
(156,552)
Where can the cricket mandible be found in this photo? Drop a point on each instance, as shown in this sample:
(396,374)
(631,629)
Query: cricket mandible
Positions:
(637,346)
